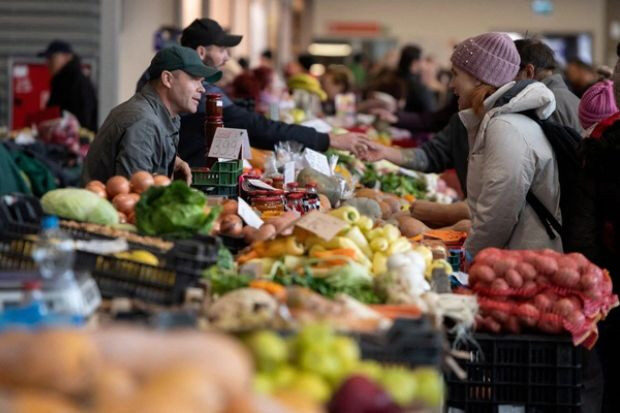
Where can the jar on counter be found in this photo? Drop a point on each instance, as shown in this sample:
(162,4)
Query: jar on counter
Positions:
(269,203)
(311,200)
(292,187)
(278,182)
(295,202)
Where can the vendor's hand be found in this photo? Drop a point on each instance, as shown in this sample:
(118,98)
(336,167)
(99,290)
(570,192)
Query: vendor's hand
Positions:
(182,170)
(351,141)
(384,115)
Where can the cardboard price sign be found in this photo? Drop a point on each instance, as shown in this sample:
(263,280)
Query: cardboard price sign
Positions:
(323,225)
(228,142)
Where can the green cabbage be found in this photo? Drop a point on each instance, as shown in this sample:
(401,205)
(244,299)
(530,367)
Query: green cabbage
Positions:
(175,210)
(80,205)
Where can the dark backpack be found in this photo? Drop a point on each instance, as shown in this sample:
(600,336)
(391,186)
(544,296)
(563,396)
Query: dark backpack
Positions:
(565,142)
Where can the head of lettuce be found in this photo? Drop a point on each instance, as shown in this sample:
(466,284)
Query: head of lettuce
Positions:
(175,210)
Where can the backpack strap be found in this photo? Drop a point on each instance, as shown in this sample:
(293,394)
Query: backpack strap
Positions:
(546,218)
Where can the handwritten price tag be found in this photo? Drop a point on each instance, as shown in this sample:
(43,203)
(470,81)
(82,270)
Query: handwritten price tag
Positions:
(322,225)
(228,142)
(317,161)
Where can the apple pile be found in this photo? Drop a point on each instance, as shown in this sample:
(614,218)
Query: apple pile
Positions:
(326,368)
(125,193)
(545,290)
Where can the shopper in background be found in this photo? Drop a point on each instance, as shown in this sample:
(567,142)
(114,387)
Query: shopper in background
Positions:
(419,97)
(211,43)
(142,134)
(597,224)
(580,76)
(70,89)
(597,103)
(337,79)
(538,63)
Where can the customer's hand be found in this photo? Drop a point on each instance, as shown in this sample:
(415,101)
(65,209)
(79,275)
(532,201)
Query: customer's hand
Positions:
(374,151)
(384,115)
(182,170)
(351,141)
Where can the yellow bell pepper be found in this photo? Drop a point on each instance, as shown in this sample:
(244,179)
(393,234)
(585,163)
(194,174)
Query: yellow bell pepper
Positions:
(365,223)
(399,246)
(348,214)
(379,264)
(355,235)
(379,244)
(391,232)
(342,242)
(375,233)
(316,248)
(283,246)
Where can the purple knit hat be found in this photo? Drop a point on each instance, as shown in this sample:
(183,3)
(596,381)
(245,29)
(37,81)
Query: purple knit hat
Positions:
(597,103)
(490,57)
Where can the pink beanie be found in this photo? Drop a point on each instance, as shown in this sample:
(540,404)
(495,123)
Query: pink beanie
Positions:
(490,57)
(597,103)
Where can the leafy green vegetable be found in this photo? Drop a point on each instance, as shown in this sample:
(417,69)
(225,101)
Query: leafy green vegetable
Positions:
(394,183)
(352,279)
(175,210)
(79,204)
(223,276)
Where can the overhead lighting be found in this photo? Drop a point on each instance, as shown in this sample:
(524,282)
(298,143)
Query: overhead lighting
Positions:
(330,49)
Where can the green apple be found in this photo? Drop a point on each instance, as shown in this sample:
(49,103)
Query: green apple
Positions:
(269,350)
(312,385)
(430,386)
(400,383)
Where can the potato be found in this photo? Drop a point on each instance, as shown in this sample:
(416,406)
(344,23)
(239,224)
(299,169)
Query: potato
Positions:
(369,193)
(386,211)
(394,204)
(325,204)
(411,227)
(249,234)
(265,232)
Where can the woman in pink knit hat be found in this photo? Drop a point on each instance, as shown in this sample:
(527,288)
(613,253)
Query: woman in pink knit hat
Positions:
(508,153)
(597,103)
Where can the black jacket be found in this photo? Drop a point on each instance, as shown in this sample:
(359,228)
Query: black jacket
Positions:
(263,133)
(72,91)
(419,97)
(448,149)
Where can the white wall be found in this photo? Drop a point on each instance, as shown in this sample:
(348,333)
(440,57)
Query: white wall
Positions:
(439,24)
(139,21)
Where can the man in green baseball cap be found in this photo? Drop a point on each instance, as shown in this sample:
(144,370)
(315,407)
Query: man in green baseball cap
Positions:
(142,134)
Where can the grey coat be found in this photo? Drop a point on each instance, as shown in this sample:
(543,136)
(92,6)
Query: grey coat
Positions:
(566,103)
(508,155)
(137,135)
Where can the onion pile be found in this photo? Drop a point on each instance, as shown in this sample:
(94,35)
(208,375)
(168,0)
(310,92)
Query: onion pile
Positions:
(124,193)
(544,290)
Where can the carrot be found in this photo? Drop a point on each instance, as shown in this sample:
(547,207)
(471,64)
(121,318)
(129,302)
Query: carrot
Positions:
(247,257)
(409,198)
(273,288)
(340,252)
(397,311)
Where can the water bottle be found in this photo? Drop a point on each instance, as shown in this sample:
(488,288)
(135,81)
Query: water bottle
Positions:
(54,252)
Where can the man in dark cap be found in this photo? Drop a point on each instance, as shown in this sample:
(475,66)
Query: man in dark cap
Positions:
(211,43)
(70,90)
(142,134)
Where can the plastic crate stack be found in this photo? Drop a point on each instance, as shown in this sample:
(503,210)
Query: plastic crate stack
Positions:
(222,179)
(519,373)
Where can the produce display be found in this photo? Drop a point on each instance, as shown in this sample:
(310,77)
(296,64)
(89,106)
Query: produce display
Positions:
(175,210)
(125,193)
(542,290)
(394,183)
(79,204)
(327,368)
(125,370)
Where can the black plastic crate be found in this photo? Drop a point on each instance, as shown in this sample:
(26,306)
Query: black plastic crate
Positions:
(409,342)
(117,277)
(534,373)
(233,244)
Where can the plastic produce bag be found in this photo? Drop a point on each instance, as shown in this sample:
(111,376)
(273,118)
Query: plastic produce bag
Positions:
(334,187)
